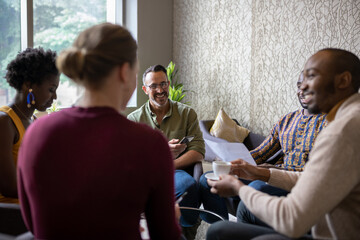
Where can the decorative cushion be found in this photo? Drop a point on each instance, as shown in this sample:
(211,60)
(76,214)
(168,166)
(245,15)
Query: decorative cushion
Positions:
(226,128)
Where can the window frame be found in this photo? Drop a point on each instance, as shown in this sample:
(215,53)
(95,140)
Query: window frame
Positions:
(114,14)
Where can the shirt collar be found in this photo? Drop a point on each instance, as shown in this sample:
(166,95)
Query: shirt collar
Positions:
(331,115)
(168,114)
(148,108)
(303,114)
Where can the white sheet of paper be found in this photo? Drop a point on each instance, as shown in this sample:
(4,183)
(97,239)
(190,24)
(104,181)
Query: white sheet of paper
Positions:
(231,151)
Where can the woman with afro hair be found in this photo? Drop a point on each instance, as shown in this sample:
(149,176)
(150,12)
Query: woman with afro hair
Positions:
(34,75)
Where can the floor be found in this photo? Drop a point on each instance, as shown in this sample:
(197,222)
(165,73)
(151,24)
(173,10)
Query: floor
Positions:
(200,235)
(201,232)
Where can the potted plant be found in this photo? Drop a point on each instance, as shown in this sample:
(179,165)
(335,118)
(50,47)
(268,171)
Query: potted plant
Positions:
(176,89)
(54,107)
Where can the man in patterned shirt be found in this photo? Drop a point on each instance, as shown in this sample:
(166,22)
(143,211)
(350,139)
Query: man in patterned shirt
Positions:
(294,134)
(324,197)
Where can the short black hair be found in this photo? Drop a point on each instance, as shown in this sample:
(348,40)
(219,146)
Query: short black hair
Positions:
(155,68)
(31,65)
(346,61)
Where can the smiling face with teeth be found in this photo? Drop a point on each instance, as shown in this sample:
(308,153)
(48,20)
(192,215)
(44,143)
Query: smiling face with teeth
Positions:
(300,93)
(158,97)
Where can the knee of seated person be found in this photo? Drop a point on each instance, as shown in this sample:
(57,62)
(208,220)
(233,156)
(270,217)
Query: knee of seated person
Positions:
(241,212)
(258,185)
(187,181)
(203,181)
(192,186)
(215,230)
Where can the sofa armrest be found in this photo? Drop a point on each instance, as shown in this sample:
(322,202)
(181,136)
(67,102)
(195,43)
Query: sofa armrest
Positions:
(205,126)
(195,170)
(198,171)
(253,140)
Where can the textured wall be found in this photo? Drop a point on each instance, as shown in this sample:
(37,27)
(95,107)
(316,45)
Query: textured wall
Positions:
(246,55)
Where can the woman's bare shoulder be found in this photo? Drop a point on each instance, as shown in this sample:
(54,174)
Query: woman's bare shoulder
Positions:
(4,118)
(7,126)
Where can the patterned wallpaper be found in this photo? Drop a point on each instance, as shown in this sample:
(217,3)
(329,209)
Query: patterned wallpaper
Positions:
(246,55)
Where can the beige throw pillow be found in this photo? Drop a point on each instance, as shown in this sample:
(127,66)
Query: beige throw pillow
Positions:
(226,128)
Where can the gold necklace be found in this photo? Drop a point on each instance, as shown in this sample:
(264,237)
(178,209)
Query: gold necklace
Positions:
(30,119)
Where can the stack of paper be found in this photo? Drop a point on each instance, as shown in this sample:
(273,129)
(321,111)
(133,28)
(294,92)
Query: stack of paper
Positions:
(230,151)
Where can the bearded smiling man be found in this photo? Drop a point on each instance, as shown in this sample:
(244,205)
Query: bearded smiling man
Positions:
(175,120)
(325,197)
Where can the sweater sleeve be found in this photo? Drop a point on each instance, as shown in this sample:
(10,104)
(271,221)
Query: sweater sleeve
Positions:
(321,187)
(25,206)
(283,179)
(160,210)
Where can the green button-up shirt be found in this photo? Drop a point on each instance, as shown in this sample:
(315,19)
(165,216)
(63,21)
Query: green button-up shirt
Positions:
(180,121)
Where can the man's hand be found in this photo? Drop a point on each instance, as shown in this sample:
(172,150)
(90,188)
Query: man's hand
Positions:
(227,186)
(175,148)
(245,170)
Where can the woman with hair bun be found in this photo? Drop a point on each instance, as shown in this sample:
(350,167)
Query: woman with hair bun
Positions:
(90,172)
(35,77)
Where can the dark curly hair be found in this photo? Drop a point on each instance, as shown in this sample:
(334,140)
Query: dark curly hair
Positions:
(31,65)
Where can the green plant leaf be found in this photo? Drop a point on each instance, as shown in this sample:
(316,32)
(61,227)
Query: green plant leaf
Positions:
(54,107)
(181,98)
(171,91)
(179,85)
(176,89)
(176,93)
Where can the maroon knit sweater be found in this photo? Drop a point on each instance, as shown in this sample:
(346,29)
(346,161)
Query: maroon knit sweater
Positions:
(88,173)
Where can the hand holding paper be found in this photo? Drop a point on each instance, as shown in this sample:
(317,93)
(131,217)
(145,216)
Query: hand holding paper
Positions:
(247,171)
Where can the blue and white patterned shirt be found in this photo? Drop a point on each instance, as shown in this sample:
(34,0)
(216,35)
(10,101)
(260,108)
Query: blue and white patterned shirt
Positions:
(295,134)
